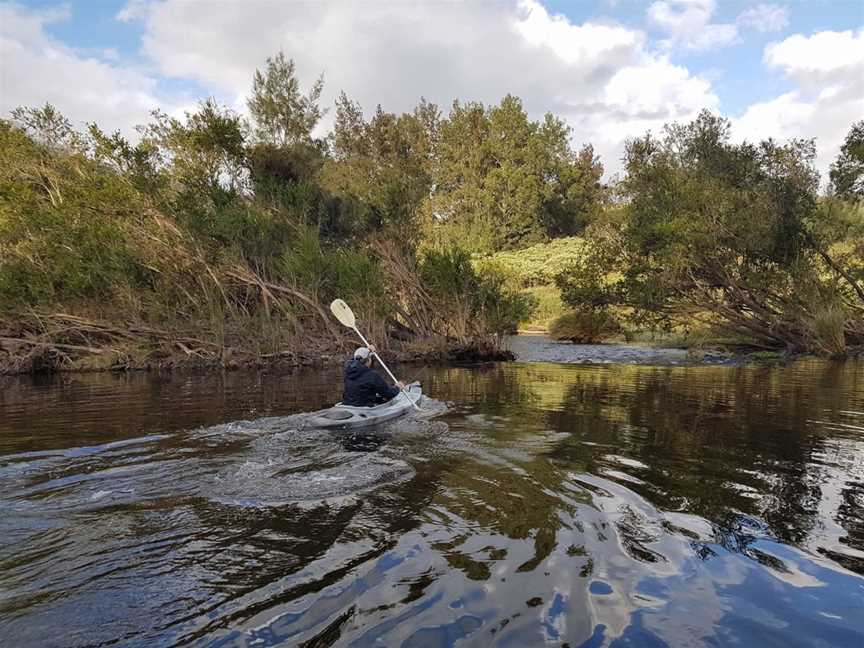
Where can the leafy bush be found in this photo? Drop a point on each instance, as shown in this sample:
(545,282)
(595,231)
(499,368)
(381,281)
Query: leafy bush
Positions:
(584,326)
(449,272)
(690,239)
(63,224)
(469,303)
(502,307)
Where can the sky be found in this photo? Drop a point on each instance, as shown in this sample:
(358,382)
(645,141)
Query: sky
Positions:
(613,69)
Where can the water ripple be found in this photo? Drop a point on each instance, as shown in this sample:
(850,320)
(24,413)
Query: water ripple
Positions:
(553,504)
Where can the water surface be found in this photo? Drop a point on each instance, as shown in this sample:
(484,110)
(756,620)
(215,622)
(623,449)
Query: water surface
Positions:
(548,505)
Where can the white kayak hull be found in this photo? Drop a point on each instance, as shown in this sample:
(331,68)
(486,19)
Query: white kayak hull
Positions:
(347,417)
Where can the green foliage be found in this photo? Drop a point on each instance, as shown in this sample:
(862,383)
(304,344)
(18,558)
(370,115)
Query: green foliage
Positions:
(470,303)
(273,168)
(283,115)
(715,227)
(140,164)
(207,216)
(502,307)
(46,125)
(329,272)
(587,326)
(59,237)
(286,181)
(829,329)
(204,159)
(534,270)
(539,264)
(549,307)
(381,165)
(847,171)
(503,181)
(449,272)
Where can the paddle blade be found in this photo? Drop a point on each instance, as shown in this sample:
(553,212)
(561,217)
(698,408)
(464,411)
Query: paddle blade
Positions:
(343,312)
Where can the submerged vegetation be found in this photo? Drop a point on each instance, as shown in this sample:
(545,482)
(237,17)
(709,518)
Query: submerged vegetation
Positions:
(218,239)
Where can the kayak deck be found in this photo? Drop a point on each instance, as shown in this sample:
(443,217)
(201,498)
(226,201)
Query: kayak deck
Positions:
(346,417)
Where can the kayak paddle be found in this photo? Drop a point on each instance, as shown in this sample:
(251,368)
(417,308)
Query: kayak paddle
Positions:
(345,315)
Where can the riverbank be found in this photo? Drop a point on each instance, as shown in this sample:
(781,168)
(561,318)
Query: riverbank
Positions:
(161,351)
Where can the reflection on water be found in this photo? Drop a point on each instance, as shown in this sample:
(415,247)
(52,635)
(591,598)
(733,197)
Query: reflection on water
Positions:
(549,504)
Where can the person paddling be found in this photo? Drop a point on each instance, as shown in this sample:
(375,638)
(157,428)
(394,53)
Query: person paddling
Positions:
(364,387)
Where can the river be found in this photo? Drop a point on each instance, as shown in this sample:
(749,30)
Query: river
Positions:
(529,504)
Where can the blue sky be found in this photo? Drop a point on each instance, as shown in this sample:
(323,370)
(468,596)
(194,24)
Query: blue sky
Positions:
(612,68)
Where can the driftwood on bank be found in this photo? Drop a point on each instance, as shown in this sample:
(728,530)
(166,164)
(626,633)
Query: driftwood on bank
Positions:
(51,341)
(56,345)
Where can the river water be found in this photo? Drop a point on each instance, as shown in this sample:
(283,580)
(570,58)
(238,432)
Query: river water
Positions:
(529,504)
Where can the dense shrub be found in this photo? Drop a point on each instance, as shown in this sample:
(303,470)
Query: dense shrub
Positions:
(584,326)
(712,225)
(211,218)
(63,224)
(468,303)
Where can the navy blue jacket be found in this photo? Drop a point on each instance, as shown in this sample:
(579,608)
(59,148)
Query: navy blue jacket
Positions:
(365,387)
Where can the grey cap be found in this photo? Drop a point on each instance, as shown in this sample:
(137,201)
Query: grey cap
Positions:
(362,353)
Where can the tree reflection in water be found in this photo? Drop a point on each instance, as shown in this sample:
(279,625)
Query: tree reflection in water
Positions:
(550,503)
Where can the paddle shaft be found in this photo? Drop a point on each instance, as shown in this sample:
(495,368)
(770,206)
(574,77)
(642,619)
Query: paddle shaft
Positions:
(386,368)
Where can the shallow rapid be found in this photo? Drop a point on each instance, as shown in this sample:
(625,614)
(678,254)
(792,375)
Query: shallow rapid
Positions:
(529,504)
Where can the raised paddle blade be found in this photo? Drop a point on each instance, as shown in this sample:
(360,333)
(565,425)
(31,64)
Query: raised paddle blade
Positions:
(343,313)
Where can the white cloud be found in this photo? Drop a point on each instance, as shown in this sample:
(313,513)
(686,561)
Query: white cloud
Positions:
(657,88)
(823,57)
(764,17)
(688,24)
(605,79)
(585,45)
(37,69)
(828,71)
(393,53)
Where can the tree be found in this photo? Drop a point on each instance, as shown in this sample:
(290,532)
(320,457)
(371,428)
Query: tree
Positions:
(46,124)
(140,164)
(847,172)
(382,164)
(504,181)
(578,195)
(204,162)
(720,232)
(282,114)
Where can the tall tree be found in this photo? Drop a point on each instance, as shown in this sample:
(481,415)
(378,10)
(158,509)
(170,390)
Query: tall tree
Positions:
(382,163)
(847,172)
(504,181)
(283,115)
(204,158)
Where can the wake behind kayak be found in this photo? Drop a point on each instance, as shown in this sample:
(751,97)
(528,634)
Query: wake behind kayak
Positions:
(347,417)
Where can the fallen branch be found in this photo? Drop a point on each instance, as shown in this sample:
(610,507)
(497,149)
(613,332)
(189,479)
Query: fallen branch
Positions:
(250,278)
(69,347)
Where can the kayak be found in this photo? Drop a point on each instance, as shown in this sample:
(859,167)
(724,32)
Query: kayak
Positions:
(348,417)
